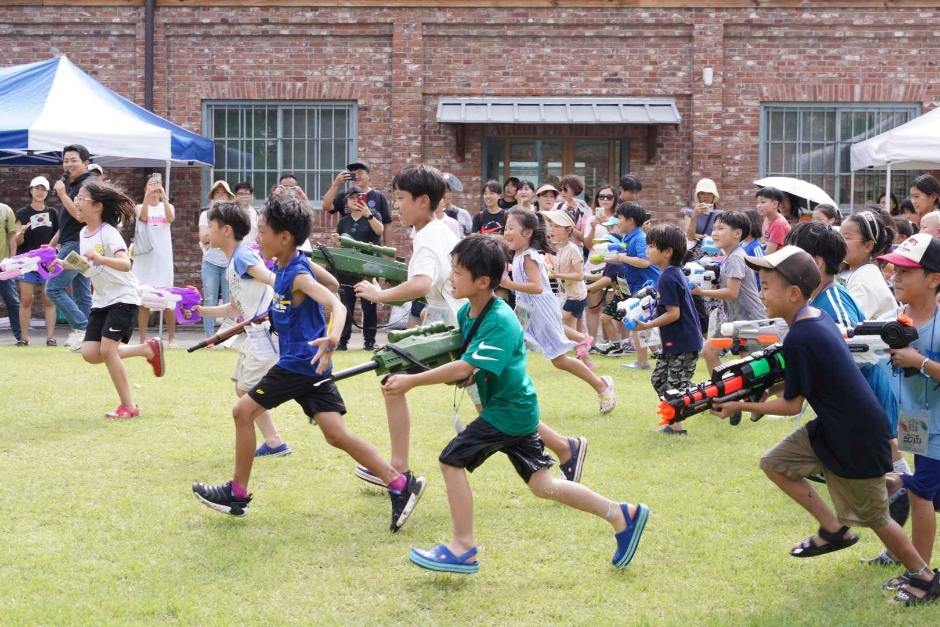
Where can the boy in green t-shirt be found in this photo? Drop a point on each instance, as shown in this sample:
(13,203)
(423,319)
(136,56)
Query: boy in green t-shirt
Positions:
(495,359)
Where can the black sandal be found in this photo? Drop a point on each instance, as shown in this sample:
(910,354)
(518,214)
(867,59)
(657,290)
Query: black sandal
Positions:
(894,584)
(932,588)
(835,542)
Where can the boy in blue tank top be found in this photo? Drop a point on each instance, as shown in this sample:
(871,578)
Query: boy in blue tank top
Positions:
(302,372)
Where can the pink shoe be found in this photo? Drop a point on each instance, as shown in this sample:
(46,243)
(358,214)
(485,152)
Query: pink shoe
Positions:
(159,367)
(583,347)
(123,412)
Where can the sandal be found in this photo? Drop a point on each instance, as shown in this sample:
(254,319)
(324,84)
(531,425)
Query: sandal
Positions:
(583,347)
(836,542)
(894,584)
(932,588)
(575,464)
(442,560)
(22,343)
(51,342)
(629,538)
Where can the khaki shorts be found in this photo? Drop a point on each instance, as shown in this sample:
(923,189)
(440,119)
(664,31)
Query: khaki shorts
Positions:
(858,502)
(250,370)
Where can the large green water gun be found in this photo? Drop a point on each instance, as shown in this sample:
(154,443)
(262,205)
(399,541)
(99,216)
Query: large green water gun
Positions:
(415,350)
(361,259)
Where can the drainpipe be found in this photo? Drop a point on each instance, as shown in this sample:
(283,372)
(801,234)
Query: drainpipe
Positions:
(149,9)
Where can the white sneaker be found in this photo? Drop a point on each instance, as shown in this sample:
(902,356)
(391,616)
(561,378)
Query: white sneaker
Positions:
(608,398)
(75,340)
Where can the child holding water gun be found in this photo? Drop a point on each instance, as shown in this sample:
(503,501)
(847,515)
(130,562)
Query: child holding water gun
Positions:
(536,306)
(116,298)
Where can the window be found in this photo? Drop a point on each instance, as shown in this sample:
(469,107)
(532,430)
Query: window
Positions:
(597,161)
(812,142)
(258,141)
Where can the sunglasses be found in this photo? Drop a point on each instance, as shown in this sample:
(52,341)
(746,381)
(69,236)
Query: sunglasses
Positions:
(605,196)
(564,189)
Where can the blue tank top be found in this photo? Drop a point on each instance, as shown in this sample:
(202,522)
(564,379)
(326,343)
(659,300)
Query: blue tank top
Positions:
(296,325)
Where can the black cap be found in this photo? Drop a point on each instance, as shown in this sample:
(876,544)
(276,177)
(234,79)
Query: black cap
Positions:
(358,165)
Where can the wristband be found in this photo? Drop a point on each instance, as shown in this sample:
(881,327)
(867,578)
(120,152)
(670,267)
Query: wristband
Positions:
(923,364)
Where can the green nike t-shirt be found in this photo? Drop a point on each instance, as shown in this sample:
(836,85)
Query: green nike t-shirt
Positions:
(498,352)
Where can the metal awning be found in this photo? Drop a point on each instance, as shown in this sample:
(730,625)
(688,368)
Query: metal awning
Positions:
(646,111)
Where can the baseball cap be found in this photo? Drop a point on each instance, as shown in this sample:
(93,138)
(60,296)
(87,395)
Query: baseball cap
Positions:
(546,188)
(561,218)
(94,167)
(917,251)
(358,165)
(40,180)
(795,264)
(355,189)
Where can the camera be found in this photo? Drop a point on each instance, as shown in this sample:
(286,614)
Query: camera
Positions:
(156,177)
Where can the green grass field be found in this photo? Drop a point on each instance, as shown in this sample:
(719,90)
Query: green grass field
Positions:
(99,525)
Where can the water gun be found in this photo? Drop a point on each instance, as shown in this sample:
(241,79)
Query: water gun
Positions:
(741,380)
(270,263)
(641,307)
(360,259)
(709,248)
(702,275)
(415,350)
(180,299)
(766,332)
(42,260)
(868,338)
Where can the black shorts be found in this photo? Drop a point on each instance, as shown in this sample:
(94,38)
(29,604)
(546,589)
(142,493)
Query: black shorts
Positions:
(417,307)
(575,307)
(115,322)
(313,394)
(480,439)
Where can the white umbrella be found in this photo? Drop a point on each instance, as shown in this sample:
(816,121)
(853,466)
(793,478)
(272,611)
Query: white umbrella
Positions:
(798,188)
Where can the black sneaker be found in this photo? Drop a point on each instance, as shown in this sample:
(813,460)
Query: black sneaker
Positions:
(368,346)
(221,499)
(404,503)
(342,347)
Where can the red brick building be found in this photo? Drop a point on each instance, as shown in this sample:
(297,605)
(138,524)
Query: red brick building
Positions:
(759,87)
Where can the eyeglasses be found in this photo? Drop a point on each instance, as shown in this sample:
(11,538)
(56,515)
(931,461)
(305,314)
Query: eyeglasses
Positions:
(80,199)
(605,196)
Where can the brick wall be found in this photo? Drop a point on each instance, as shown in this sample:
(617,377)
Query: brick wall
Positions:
(397,62)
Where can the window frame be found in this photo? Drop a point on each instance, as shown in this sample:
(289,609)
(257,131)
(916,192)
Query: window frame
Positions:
(208,127)
(839,108)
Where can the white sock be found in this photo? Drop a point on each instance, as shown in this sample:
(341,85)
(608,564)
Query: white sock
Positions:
(901,466)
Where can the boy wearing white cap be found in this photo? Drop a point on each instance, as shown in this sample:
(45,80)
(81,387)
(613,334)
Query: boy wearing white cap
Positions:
(36,226)
(847,441)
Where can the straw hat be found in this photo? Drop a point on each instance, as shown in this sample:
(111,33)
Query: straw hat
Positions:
(224,186)
(546,188)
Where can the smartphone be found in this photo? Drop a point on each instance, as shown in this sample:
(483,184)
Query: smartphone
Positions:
(709,207)
(157,178)
(290,191)
(349,175)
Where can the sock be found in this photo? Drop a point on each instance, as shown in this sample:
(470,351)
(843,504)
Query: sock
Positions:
(398,484)
(239,491)
(274,441)
(902,467)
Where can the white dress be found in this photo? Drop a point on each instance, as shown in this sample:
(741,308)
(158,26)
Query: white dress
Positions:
(545,328)
(156,267)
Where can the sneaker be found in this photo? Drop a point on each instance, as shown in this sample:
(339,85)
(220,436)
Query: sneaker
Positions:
(404,503)
(221,499)
(123,412)
(22,343)
(635,365)
(342,347)
(366,475)
(608,398)
(368,346)
(573,467)
(627,348)
(159,367)
(882,559)
(172,345)
(281,450)
(607,348)
(77,338)
(50,342)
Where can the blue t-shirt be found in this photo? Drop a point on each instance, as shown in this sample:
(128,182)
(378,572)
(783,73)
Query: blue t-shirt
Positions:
(850,433)
(844,311)
(635,243)
(919,392)
(244,258)
(684,335)
(754,249)
(296,325)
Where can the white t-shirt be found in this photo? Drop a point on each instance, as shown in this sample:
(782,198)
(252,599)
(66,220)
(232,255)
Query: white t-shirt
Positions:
(111,286)
(870,290)
(431,258)
(452,224)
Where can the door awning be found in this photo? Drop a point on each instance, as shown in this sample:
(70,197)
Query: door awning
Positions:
(646,111)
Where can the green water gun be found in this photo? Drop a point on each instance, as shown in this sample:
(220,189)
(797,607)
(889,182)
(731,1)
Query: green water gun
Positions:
(361,259)
(415,350)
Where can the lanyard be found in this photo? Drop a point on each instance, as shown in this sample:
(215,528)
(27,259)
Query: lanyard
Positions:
(799,313)
(933,329)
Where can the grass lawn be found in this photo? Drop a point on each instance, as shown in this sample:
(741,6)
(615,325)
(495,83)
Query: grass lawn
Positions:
(99,525)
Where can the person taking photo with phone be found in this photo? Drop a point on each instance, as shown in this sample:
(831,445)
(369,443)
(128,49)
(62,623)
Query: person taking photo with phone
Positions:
(153,251)
(359,174)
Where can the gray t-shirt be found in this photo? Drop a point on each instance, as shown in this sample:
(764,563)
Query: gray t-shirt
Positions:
(748,305)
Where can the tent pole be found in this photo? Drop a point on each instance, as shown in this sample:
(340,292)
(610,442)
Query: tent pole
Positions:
(887,188)
(166,181)
(852,193)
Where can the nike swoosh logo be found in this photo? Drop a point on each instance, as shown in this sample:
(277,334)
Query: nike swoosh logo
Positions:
(483,347)
(114,330)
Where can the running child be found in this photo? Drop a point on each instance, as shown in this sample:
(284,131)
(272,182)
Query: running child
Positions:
(848,441)
(916,284)
(676,318)
(536,305)
(250,291)
(569,271)
(116,297)
(496,361)
(306,345)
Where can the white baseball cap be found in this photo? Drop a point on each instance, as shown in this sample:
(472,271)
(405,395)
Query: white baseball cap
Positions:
(94,167)
(40,180)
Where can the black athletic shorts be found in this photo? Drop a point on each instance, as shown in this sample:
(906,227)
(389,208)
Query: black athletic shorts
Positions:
(313,394)
(481,439)
(115,322)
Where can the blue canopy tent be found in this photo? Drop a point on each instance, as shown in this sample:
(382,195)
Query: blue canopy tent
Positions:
(47,105)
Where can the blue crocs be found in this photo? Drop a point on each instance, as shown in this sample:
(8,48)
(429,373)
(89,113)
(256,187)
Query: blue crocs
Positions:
(442,560)
(629,538)
(279,451)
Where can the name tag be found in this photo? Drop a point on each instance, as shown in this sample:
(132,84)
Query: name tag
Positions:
(261,341)
(913,431)
(524,315)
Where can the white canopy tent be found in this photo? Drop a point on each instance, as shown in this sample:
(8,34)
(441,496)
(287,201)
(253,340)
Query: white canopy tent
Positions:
(911,146)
